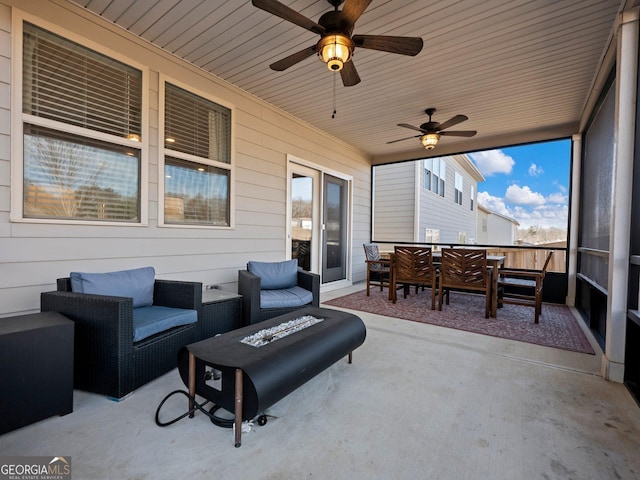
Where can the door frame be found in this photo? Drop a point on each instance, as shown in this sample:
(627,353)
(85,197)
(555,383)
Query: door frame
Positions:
(294,163)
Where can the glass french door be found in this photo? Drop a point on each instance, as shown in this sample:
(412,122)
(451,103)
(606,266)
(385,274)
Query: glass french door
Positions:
(304,207)
(318,228)
(335,228)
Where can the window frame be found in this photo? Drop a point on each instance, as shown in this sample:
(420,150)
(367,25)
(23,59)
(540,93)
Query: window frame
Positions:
(435,172)
(166,152)
(18,119)
(458,182)
(472,195)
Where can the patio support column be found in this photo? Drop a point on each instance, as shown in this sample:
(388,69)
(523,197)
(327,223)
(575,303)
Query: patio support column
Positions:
(625,113)
(417,191)
(572,252)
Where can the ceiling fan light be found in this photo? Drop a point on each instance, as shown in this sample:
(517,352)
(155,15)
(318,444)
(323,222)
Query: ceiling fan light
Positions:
(335,50)
(429,140)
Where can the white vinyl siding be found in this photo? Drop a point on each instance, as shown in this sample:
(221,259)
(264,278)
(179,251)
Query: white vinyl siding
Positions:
(400,216)
(394,202)
(38,253)
(443,213)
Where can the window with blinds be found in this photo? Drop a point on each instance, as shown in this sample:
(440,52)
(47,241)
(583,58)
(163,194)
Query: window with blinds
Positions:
(196,126)
(69,93)
(197,163)
(66,82)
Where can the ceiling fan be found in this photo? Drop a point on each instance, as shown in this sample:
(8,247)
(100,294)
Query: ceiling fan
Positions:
(430,132)
(336,44)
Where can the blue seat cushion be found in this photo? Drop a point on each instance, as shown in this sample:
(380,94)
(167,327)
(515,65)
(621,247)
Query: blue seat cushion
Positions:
(286,297)
(137,283)
(275,275)
(148,321)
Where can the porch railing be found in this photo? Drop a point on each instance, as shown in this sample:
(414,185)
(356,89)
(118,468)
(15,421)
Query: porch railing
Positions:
(529,257)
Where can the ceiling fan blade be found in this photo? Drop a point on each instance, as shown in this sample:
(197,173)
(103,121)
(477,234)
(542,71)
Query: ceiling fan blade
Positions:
(349,75)
(353,9)
(403,139)
(291,60)
(406,125)
(460,133)
(280,10)
(453,121)
(402,45)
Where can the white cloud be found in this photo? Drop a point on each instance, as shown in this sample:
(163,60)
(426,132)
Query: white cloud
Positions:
(495,204)
(535,171)
(544,216)
(490,162)
(559,186)
(558,198)
(523,196)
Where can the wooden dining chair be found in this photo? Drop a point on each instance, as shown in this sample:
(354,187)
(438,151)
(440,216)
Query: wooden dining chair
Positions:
(523,287)
(378,269)
(413,266)
(465,269)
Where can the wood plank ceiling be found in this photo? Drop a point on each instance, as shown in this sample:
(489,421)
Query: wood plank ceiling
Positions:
(521,70)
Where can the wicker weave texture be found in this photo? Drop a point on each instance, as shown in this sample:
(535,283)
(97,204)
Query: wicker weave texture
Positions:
(106,359)
(249,288)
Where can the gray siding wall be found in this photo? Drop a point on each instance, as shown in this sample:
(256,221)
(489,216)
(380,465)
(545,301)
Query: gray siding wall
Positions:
(394,202)
(33,255)
(443,213)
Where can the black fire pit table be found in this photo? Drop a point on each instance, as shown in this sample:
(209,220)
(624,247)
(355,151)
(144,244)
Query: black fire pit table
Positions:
(261,363)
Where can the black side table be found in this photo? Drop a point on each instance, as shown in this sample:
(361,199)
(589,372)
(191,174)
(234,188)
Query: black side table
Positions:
(221,312)
(36,368)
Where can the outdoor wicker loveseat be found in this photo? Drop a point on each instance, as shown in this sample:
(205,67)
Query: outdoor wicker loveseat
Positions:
(121,344)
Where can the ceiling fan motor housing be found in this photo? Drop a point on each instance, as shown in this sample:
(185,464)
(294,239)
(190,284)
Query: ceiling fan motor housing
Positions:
(335,50)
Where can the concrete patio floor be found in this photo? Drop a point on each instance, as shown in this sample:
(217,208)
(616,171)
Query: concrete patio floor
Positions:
(418,402)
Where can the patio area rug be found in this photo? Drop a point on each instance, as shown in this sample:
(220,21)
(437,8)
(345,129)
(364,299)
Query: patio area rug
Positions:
(558,327)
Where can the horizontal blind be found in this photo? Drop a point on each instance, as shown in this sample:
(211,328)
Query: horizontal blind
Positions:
(196,126)
(69,83)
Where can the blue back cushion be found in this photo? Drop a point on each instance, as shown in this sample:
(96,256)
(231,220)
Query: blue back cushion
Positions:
(137,284)
(275,275)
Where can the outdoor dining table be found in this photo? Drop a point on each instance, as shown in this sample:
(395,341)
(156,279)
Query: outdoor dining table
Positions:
(494,262)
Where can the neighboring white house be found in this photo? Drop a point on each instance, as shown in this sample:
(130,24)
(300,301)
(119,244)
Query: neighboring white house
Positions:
(495,228)
(430,200)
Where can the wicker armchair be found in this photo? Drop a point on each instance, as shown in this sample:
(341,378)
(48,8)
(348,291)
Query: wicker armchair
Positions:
(107,361)
(249,286)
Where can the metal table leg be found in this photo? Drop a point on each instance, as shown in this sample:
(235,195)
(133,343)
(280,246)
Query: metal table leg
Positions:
(238,409)
(192,382)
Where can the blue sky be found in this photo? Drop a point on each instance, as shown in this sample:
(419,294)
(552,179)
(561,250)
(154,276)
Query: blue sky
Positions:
(529,183)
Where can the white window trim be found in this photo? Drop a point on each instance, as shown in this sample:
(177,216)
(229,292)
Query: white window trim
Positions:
(163,152)
(457,197)
(18,119)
